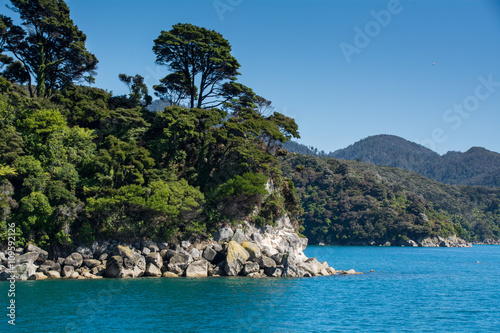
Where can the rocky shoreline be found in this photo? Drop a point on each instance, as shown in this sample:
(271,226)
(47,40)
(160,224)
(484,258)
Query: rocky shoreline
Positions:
(248,250)
(450,241)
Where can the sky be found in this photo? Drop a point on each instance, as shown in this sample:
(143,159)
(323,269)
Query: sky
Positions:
(425,70)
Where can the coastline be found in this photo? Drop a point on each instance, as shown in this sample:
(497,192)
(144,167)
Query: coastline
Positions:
(450,241)
(247,250)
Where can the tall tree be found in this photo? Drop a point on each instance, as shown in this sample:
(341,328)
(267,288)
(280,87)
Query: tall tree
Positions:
(137,88)
(49,45)
(201,61)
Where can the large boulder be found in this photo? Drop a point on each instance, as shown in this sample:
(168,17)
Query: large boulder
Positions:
(312,266)
(49,265)
(195,253)
(250,267)
(223,235)
(114,267)
(252,249)
(29,257)
(235,258)
(23,271)
(266,262)
(67,271)
(239,236)
(42,254)
(75,259)
(209,253)
(197,268)
(152,270)
(38,276)
(53,275)
(179,262)
(85,252)
(154,258)
(91,263)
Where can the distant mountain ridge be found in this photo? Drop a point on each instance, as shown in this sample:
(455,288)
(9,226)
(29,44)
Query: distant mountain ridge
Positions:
(477,166)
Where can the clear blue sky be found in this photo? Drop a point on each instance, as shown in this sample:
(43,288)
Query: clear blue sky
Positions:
(310,60)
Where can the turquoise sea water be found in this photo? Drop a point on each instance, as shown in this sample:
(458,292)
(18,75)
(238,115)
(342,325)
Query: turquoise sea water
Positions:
(411,290)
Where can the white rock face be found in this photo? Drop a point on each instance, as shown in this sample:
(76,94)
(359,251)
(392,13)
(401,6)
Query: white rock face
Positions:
(279,239)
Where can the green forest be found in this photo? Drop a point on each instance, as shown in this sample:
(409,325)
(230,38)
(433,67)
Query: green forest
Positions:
(351,202)
(78,164)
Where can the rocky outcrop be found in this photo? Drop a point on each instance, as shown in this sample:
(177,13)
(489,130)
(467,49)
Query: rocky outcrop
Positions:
(451,241)
(247,250)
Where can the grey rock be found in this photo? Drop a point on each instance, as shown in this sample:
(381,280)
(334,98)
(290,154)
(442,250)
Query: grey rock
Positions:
(103,256)
(146,251)
(235,258)
(194,253)
(75,260)
(209,253)
(152,270)
(38,276)
(162,246)
(179,262)
(100,248)
(252,249)
(223,235)
(133,263)
(53,275)
(98,270)
(154,258)
(42,254)
(91,263)
(85,252)
(67,271)
(170,253)
(197,269)
(152,246)
(250,267)
(217,247)
(185,244)
(29,257)
(114,267)
(239,236)
(266,262)
(49,265)
(23,271)
(278,258)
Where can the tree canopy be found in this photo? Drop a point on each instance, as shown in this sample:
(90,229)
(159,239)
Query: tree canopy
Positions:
(48,46)
(200,61)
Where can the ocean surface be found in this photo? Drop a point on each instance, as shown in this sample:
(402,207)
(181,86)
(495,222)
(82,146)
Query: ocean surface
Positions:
(410,290)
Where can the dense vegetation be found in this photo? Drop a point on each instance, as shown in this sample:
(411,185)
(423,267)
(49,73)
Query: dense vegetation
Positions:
(348,202)
(477,166)
(77,163)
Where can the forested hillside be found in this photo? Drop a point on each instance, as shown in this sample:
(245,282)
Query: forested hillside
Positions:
(348,202)
(477,166)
